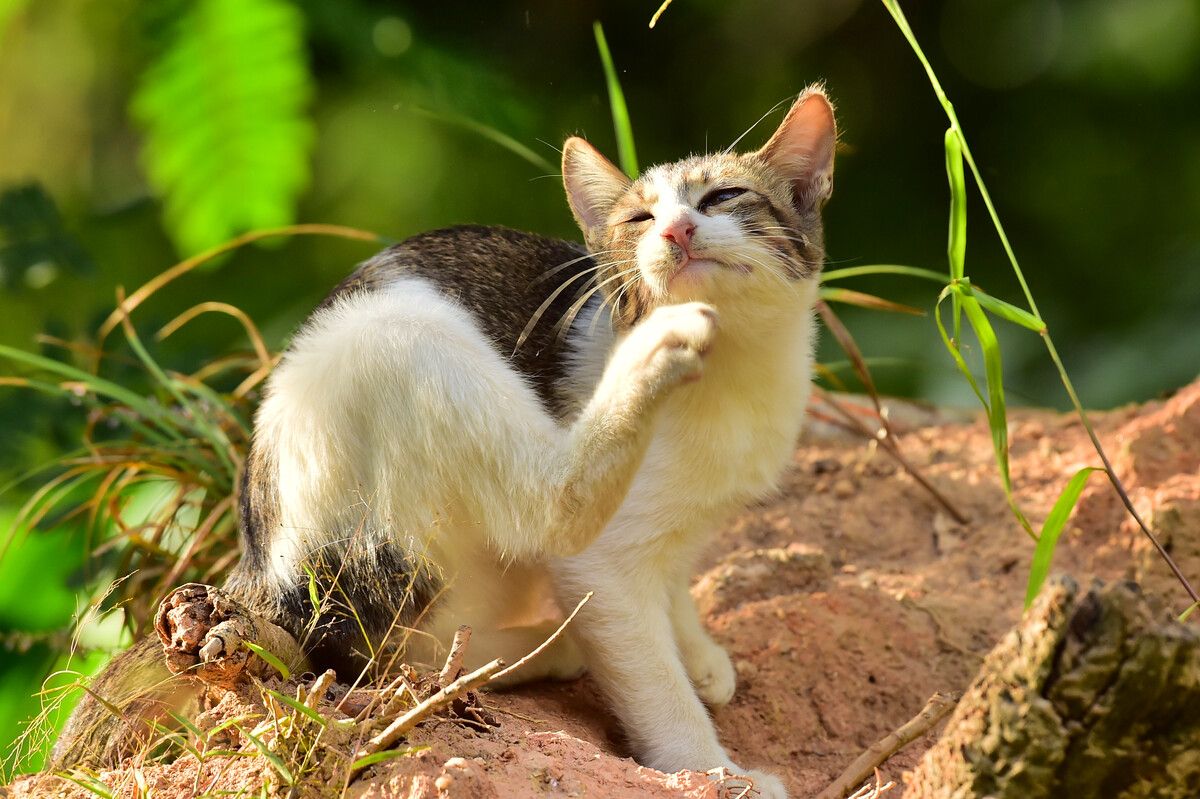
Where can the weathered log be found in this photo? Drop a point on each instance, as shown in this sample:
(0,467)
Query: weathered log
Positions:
(1094,694)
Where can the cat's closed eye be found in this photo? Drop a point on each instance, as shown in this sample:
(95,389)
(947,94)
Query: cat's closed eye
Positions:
(718,196)
(640,216)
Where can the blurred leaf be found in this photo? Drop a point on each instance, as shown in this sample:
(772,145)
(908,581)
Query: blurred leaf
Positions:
(620,113)
(8,10)
(1048,540)
(224,113)
(35,247)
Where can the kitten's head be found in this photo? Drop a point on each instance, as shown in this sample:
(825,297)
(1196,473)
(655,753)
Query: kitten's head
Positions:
(708,227)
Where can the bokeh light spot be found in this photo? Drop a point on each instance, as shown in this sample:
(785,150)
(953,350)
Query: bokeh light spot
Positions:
(392,36)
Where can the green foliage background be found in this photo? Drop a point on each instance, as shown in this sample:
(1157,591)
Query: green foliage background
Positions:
(136,133)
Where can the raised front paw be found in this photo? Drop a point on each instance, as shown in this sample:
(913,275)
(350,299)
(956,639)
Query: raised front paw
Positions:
(670,345)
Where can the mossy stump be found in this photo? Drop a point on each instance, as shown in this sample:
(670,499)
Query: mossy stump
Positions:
(1094,695)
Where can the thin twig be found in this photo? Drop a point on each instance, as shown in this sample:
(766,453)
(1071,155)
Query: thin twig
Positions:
(398,728)
(936,709)
(542,647)
(889,446)
(394,696)
(458,648)
(468,682)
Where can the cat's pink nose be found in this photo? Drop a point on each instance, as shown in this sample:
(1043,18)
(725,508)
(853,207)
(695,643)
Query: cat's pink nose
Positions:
(680,231)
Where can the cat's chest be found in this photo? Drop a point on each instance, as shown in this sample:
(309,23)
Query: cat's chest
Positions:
(726,442)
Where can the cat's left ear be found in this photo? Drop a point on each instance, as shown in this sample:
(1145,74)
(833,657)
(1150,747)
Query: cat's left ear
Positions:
(593,184)
(802,148)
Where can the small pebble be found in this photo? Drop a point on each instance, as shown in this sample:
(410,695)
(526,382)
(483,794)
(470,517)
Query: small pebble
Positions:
(443,782)
(746,670)
(843,489)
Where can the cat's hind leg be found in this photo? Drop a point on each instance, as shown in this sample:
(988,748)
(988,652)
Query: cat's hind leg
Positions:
(511,612)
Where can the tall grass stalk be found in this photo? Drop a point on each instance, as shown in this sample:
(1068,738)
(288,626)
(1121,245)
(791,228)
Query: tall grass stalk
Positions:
(958,149)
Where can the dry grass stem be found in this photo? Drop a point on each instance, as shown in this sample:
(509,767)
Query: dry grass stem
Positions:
(873,791)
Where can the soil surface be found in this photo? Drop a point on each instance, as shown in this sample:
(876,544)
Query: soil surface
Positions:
(845,600)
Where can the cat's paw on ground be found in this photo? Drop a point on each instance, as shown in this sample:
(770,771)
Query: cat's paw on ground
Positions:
(737,783)
(712,673)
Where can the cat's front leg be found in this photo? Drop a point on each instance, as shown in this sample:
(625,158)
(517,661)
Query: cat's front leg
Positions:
(629,643)
(606,443)
(707,663)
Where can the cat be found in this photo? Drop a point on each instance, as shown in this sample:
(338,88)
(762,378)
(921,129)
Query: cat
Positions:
(477,413)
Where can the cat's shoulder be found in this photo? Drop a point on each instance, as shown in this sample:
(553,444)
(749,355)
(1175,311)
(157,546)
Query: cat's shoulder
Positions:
(467,259)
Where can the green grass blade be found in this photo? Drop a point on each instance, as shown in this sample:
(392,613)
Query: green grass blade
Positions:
(89,784)
(493,135)
(1190,610)
(271,659)
(620,113)
(1052,528)
(233,722)
(997,413)
(216,437)
(299,707)
(96,385)
(993,403)
(830,275)
(275,760)
(186,723)
(1004,310)
(387,754)
(956,245)
(952,346)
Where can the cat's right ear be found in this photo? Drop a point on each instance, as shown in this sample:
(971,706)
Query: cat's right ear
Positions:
(593,184)
(802,149)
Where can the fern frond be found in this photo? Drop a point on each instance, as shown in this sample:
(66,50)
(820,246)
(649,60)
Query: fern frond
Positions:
(224,111)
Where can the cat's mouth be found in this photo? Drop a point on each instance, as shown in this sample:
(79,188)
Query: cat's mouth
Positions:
(691,269)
